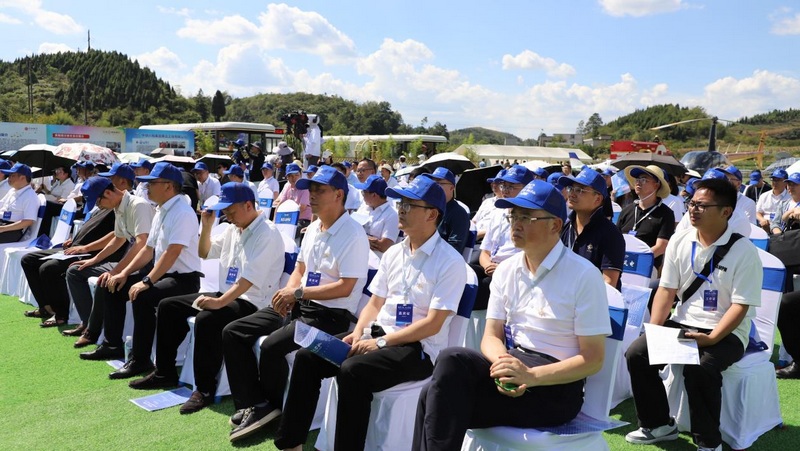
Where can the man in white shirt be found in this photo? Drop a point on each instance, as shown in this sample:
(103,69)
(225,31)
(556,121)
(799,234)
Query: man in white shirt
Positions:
(4,187)
(20,206)
(236,174)
(382,226)
(768,202)
(249,274)
(207,186)
(56,195)
(743,203)
(738,222)
(483,216)
(312,141)
(268,171)
(140,169)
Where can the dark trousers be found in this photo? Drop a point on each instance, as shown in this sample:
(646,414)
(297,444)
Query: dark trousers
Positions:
(172,329)
(359,377)
(46,279)
(255,381)
(144,308)
(482,296)
(51,210)
(703,386)
(12,236)
(90,311)
(461,395)
(788,317)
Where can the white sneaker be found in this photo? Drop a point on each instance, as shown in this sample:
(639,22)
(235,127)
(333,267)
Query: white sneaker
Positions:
(646,436)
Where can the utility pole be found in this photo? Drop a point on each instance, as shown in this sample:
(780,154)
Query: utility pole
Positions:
(85,108)
(88,41)
(30,90)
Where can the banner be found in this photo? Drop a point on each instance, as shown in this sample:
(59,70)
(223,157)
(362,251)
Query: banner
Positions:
(146,141)
(113,138)
(15,135)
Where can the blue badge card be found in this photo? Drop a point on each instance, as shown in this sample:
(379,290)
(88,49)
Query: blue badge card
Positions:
(313,279)
(320,343)
(233,274)
(710,300)
(509,336)
(405,312)
(265,202)
(6,216)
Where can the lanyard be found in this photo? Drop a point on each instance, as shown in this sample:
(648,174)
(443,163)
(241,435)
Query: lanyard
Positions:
(318,251)
(537,280)
(162,213)
(408,282)
(697,274)
(636,213)
(378,219)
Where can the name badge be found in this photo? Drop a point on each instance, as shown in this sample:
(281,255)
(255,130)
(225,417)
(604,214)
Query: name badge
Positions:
(509,336)
(6,216)
(631,232)
(404,314)
(710,300)
(772,216)
(233,273)
(313,279)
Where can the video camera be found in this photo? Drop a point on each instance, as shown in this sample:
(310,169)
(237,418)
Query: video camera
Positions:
(296,123)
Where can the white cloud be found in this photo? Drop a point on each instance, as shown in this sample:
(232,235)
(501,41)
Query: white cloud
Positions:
(639,8)
(4,18)
(733,98)
(184,12)
(532,60)
(50,21)
(164,62)
(784,22)
(226,31)
(52,47)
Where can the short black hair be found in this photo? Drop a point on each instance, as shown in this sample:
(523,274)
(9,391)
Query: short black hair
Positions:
(417,172)
(723,191)
(339,167)
(372,164)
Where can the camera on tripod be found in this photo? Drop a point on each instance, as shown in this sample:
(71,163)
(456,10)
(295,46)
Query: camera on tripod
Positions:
(296,123)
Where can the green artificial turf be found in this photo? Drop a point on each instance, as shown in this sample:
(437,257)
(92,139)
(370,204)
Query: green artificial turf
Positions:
(50,399)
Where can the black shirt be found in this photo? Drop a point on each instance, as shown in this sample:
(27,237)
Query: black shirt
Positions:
(454,226)
(656,222)
(754,192)
(600,242)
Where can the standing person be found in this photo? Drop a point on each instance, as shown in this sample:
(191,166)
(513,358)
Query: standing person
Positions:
(312,141)
(249,270)
(587,231)
(207,186)
(299,195)
(286,155)
(133,217)
(454,226)
(552,306)
(400,349)
(171,249)
(716,293)
(257,159)
(382,226)
(20,206)
(323,291)
(648,219)
(768,202)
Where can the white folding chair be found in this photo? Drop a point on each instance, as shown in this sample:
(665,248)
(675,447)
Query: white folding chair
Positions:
(265,199)
(286,217)
(582,433)
(750,403)
(30,233)
(635,299)
(187,370)
(759,237)
(637,269)
(616,209)
(210,266)
(391,419)
(472,237)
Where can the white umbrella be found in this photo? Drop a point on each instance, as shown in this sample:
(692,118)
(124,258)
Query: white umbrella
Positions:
(87,152)
(133,157)
(455,162)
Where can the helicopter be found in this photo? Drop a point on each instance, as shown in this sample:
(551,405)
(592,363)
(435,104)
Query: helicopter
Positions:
(702,160)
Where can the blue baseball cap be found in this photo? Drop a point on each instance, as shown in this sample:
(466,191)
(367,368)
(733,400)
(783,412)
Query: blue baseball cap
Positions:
(268,166)
(424,189)
(793,178)
(501,173)
(538,195)
(347,164)
(607,172)
(86,164)
(292,168)
(587,177)
(540,172)
(374,184)
(734,171)
(200,166)
(235,170)
(92,189)
(756,176)
(517,174)
(311,169)
(690,185)
(554,178)
(19,168)
(713,173)
(233,193)
(326,175)
(163,170)
(779,174)
(147,164)
(5,164)
(120,169)
(441,173)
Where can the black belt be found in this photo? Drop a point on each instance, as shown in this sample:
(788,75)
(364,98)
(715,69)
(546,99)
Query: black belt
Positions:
(540,354)
(327,311)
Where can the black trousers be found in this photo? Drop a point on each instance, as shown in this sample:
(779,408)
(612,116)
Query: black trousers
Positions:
(90,309)
(172,329)
(12,236)
(788,317)
(46,279)
(144,308)
(254,381)
(461,395)
(482,296)
(359,377)
(703,386)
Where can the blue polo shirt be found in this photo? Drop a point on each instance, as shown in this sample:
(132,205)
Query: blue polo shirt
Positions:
(600,242)
(454,226)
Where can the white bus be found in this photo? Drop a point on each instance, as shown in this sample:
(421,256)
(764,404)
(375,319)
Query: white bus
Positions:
(227,133)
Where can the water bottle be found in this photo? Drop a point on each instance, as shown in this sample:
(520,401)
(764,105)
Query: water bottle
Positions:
(367,333)
(128,347)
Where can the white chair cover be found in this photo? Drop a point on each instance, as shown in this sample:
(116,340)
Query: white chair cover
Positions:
(750,403)
(210,267)
(635,300)
(187,371)
(759,237)
(265,199)
(637,268)
(64,224)
(12,282)
(286,217)
(616,209)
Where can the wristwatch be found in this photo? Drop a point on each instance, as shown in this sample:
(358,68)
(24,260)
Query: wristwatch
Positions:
(146,280)
(298,293)
(381,342)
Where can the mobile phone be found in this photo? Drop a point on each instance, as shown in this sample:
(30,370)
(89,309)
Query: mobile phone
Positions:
(505,385)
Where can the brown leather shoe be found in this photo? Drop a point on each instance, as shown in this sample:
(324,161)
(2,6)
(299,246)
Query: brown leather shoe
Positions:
(76,332)
(85,340)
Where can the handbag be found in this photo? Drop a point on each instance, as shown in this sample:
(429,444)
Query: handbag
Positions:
(786,246)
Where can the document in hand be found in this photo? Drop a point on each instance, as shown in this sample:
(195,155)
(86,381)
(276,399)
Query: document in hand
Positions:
(321,343)
(664,346)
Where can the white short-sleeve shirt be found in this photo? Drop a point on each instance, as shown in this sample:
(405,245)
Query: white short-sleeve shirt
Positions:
(383,222)
(270,183)
(252,252)
(20,204)
(210,187)
(483,216)
(432,278)
(340,252)
(133,217)
(675,203)
(748,207)
(60,190)
(768,203)
(570,301)
(175,222)
(497,240)
(737,278)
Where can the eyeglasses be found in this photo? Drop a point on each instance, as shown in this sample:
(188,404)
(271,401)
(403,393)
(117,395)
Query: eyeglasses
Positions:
(526,219)
(155,182)
(580,190)
(405,207)
(510,186)
(444,183)
(643,180)
(692,205)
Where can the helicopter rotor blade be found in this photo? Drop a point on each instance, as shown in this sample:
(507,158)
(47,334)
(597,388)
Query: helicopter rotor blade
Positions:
(679,122)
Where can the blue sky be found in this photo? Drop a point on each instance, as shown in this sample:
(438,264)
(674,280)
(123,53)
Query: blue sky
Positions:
(517,66)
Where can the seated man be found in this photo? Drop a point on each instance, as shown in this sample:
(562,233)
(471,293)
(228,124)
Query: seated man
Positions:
(170,247)
(121,175)
(482,218)
(323,291)
(300,196)
(545,333)
(236,174)
(454,226)
(133,217)
(268,181)
(587,231)
(249,270)
(20,206)
(140,169)
(381,228)
(207,186)
(767,203)
(716,293)
(407,327)
(56,195)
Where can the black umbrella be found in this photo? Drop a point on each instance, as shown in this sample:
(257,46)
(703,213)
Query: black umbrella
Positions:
(40,156)
(666,162)
(472,185)
(212,161)
(456,163)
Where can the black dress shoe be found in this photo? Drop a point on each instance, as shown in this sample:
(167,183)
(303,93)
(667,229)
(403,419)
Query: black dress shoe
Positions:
(154,381)
(104,352)
(196,402)
(790,372)
(132,368)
